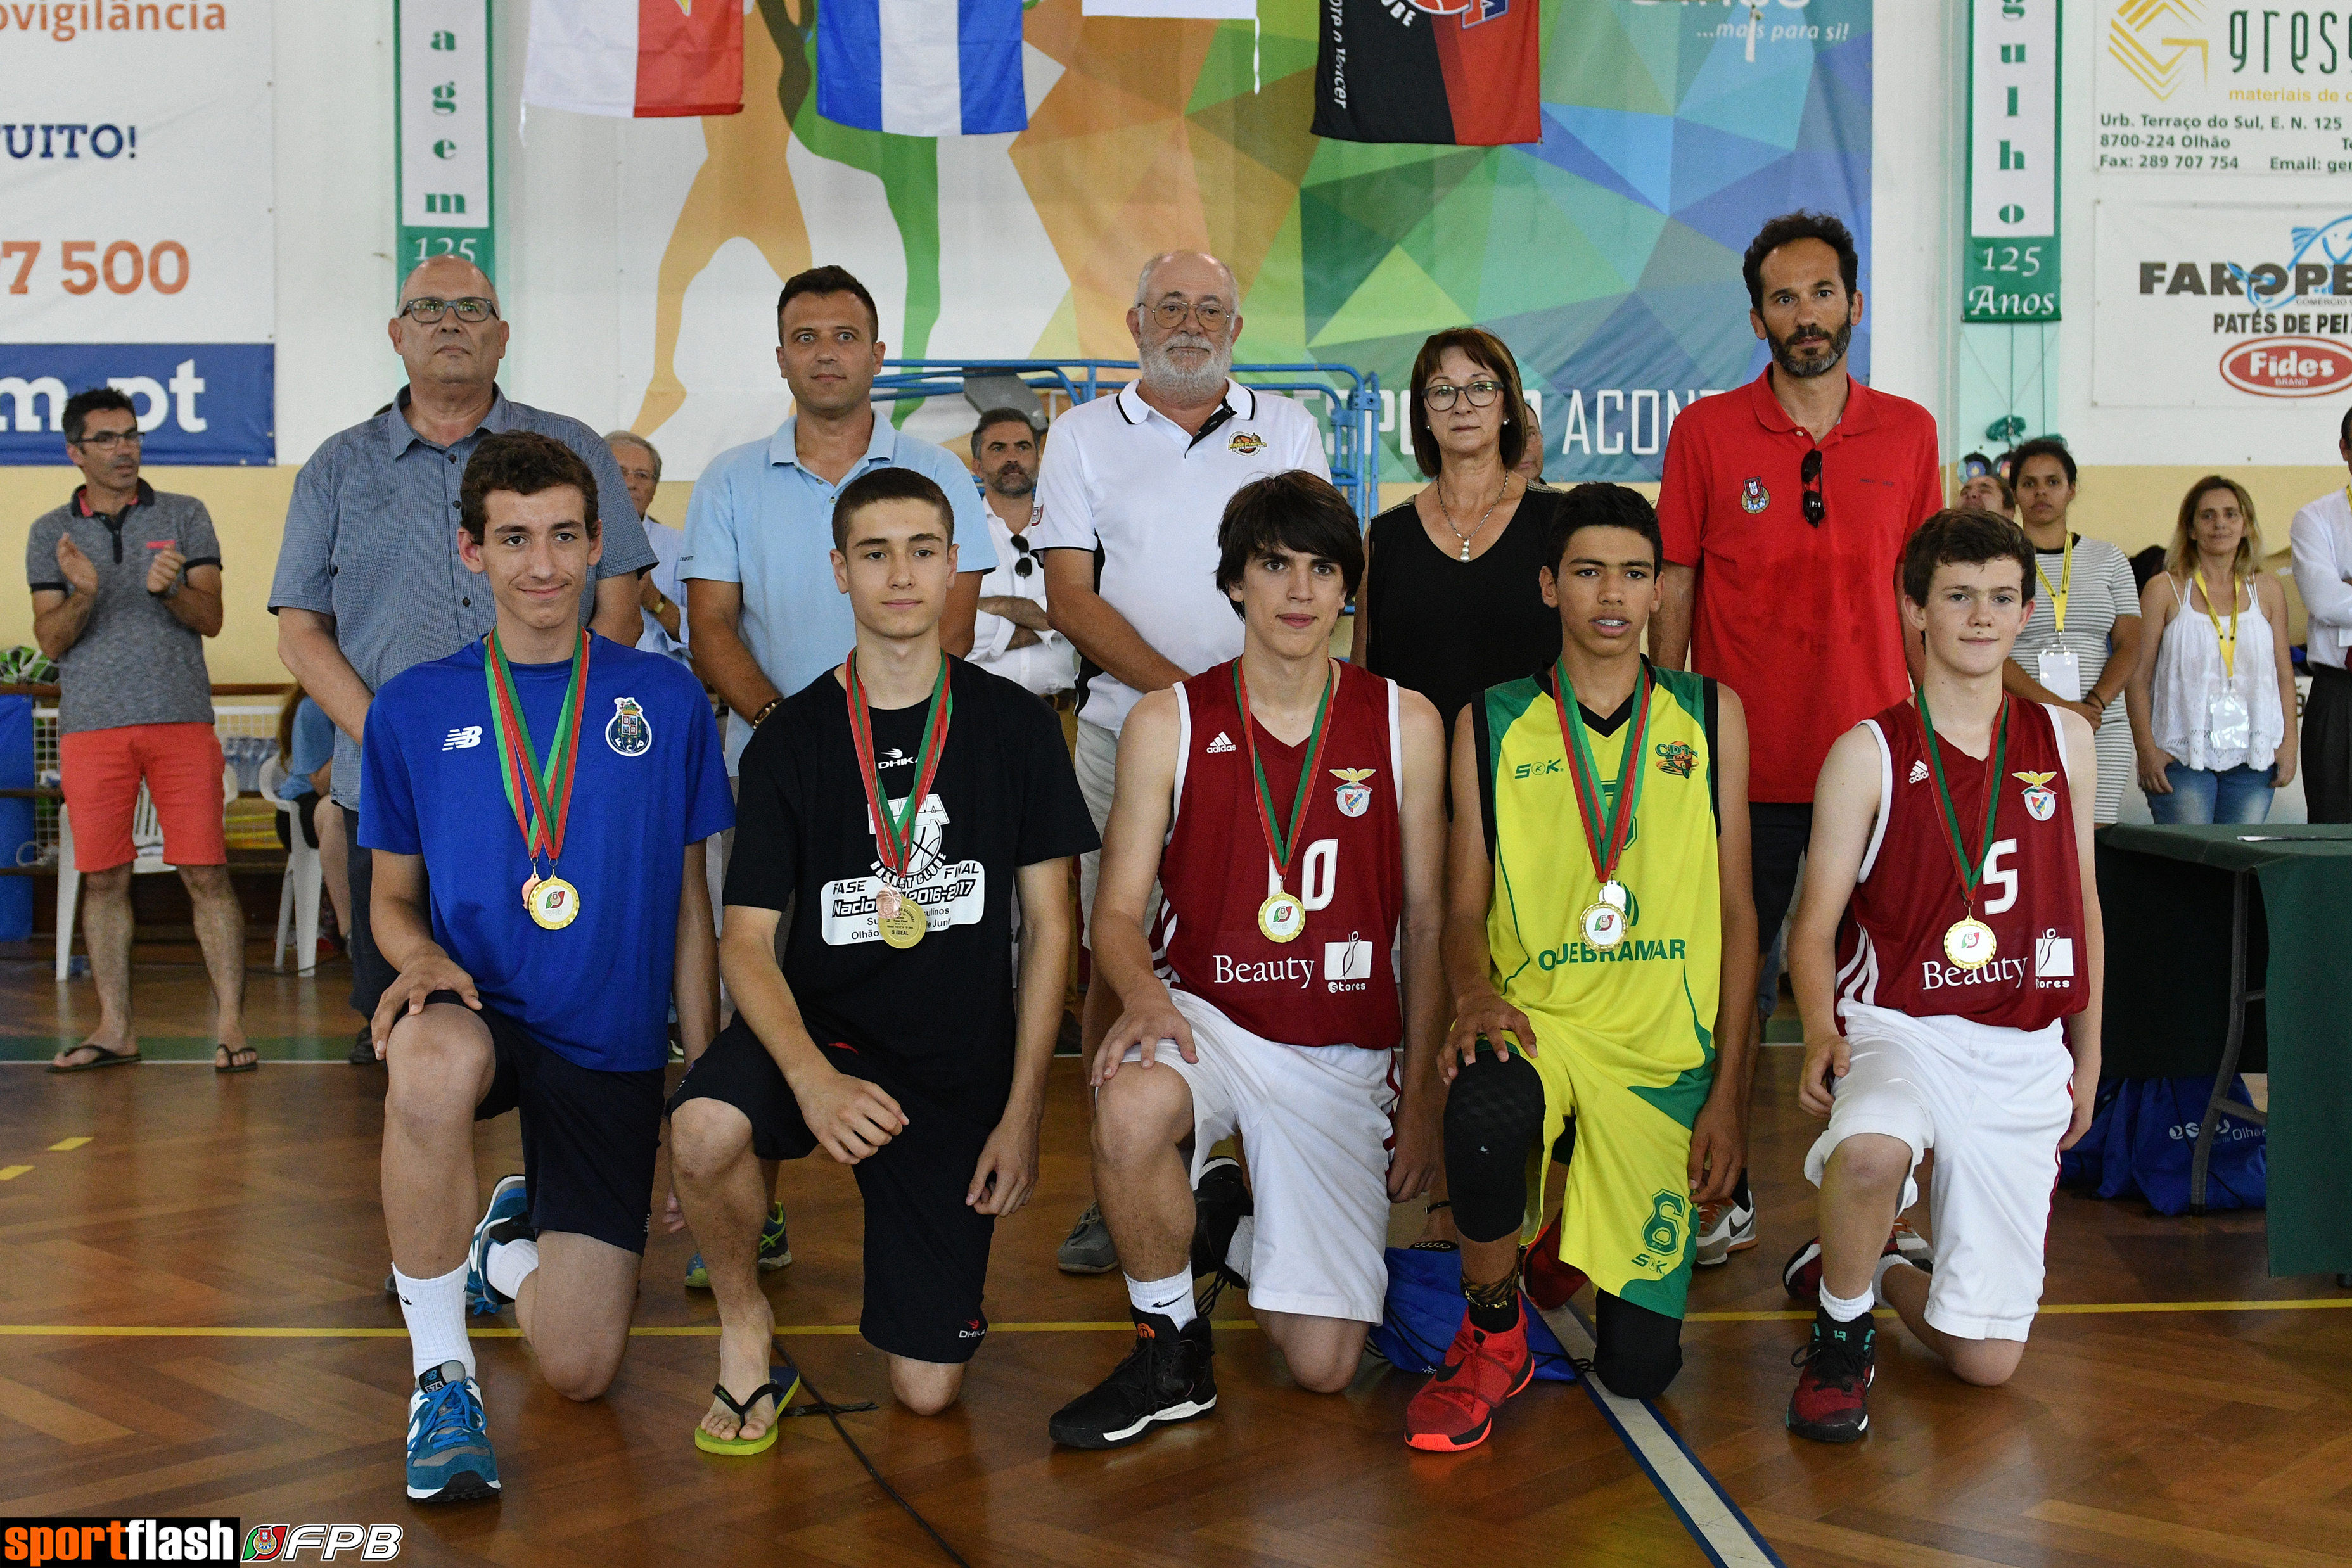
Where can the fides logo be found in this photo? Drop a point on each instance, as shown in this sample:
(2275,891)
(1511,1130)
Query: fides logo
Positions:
(2288,367)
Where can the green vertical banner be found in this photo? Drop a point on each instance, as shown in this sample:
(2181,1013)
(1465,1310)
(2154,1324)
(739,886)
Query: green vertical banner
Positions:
(441,107)
(2010,270)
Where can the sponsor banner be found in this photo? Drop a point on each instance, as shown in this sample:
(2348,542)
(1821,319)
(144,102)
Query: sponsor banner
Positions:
(197,403)
(2222,305)
(2011,269)
(441,110)
(2192,87)
(136,231)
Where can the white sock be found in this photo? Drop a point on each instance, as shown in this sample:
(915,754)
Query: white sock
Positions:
(1879,1278)
(1172,1298)
(508,1265)
(1843,1310)
(436,1311)
(1244,1245)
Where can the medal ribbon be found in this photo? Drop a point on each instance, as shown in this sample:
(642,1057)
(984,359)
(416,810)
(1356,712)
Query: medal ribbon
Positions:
(2065,582)
(1279,843)
(894,835)
(549,791)
(2229,640)
(1971,873)
(1607,830)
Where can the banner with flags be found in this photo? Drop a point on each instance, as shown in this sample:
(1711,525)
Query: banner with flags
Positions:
(921,68)
(1465,73)
(642,58)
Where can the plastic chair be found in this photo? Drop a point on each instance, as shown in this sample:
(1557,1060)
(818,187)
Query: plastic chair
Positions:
(298,894)
(147,858)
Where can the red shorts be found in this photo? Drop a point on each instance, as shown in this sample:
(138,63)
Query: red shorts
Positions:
(181,764)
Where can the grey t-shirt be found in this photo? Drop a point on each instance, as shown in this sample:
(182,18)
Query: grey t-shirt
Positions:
(371,540)
(133,663)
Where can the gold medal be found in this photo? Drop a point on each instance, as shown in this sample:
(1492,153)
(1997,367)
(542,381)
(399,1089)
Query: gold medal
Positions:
(898,920)
(1970,944)
(555,902)
(903,926)
(1281,918)
(1603,923)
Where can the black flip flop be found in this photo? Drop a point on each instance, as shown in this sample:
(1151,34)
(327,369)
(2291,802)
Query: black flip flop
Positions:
(233,1052)
(104,1058)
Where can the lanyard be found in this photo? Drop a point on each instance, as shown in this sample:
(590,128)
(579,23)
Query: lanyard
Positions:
(2065,584)
(549,789)
(1605,830)
(894,832)
(1996,756)
(1279,843)
(2229,640)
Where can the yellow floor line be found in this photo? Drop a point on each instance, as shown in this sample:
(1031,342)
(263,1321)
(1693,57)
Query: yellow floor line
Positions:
(709,1331)
(10,1173)
(63,1145)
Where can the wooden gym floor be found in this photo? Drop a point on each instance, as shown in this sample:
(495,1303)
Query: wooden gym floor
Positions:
(192,1322)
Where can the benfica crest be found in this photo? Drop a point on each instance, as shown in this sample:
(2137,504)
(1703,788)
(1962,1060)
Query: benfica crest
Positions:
(1354,796)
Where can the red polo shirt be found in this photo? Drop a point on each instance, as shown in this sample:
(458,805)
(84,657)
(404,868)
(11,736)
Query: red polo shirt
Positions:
(1801,622)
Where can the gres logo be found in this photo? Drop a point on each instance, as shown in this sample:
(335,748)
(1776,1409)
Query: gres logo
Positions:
(2288,367)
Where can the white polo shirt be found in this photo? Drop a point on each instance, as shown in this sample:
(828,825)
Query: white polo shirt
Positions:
(2321,535)
(1046,667)
(1120,475)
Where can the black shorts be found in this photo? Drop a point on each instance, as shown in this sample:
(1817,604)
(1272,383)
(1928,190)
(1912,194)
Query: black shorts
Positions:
(588,1137)
(926,1248)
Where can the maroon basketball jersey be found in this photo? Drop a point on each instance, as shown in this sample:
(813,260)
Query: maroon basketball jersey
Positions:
(1891,943)
(1335,982)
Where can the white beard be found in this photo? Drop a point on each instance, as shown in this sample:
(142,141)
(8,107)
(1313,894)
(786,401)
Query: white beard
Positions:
(1171,381)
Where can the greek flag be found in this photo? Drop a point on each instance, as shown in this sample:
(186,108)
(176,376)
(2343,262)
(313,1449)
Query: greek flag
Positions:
(921,68)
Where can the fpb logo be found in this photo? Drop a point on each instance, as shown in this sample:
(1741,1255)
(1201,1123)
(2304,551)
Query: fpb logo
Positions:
(327,1542)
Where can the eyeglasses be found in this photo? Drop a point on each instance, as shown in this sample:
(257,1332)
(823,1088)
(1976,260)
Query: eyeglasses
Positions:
(1171,314)
(106,440)
(425,312)
(1810,471)
(1027,563)
(1440,396)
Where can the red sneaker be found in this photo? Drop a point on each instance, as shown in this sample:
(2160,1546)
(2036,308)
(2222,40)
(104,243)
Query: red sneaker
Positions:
(1456,1408)
(1802,1272)
(1832,1402)
(1547,1282)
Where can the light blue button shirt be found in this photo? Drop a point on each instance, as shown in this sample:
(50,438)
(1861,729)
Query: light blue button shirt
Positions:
(760,519)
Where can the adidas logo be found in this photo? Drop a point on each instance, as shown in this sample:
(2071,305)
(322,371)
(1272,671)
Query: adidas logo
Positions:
(1222,743)
(1918,769)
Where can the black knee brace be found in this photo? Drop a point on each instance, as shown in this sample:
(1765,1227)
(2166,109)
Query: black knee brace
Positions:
(1636,1352)
(1493,1113)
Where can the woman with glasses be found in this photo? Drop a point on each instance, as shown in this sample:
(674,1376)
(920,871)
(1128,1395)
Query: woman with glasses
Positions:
(1450,603)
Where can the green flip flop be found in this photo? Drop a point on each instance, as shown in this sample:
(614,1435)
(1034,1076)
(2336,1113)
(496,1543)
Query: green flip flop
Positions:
(782,1383)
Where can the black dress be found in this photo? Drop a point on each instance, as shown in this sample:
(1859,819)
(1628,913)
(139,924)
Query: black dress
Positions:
(1449,628)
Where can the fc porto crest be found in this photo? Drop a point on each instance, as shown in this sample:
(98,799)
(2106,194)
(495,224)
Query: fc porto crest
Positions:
(1245,442)
(629,732)
(2041,800)
(1753,496)
(1676,757)
(1355,797)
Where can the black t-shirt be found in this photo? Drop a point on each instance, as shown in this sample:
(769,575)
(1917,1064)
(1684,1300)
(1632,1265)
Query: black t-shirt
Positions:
(1448,628)
(939,1016)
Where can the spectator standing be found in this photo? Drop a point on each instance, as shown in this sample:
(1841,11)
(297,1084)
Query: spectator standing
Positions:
(126,585)
(2321,535)
(661,601)
(2207,698)
(1982,487)
(369,578)
(1785,507)
(1127,518)
(306,750)
(1468,551)
(1012,635)
(2080,642)
(762,624)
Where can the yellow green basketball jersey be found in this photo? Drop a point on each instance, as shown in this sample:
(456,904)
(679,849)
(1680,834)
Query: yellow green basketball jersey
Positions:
(1624,1034)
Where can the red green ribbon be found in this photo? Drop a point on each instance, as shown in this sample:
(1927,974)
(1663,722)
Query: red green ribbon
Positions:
(1971,874)
(1280,843)
(1607,825)
(548,790)
(894,834)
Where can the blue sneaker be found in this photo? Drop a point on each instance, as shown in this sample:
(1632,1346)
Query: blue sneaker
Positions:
(502,1221)
(775,1252)
(450,1457)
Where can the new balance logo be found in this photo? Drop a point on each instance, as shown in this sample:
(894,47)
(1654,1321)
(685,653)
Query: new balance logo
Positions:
(1222,743)
(1918,769)
(459,739)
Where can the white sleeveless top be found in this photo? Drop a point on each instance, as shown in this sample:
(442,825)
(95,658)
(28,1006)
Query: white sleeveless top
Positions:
(2190,672)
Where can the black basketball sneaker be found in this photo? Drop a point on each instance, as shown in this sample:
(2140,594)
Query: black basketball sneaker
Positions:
(1169,1375)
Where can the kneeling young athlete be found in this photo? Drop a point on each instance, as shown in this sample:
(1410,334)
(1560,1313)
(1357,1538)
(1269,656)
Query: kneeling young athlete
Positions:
(587,775)
(894,806)
(1950,920)
(1291,808)
(1598,917)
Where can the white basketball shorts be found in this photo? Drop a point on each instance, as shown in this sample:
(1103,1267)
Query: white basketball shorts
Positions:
(1992,1103)
(1315,1125)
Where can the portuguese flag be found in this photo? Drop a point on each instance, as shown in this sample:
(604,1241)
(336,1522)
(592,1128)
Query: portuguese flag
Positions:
(1458,73)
